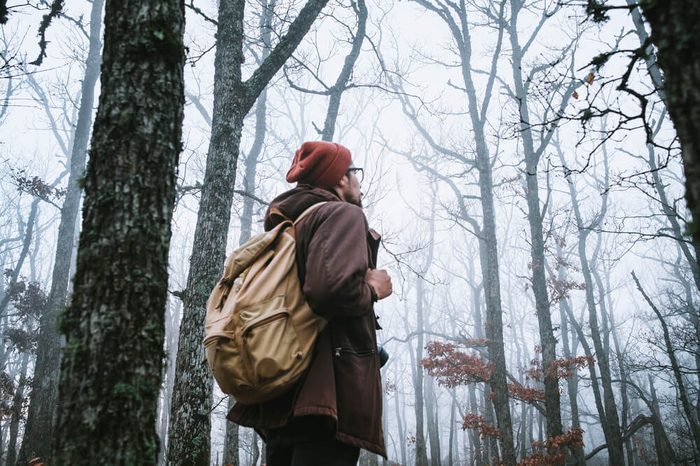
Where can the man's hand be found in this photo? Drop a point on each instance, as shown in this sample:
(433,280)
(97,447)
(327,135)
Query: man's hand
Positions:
(380,281)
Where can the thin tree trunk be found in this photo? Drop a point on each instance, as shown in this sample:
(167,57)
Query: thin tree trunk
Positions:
(42,407)
(336,92)
(17,403)
(676,369)
(173,318)
(608,410)
(421,450)
(478,450)
(664,450)
(534,214)
(624,395)
(571,382)
(431,414)
(452,449)
(190,425)
(26,244)
(114,326)
(402,440)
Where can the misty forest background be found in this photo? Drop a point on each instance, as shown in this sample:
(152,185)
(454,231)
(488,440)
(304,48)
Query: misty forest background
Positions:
(524,162)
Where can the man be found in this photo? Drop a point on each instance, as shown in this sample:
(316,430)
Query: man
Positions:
(336,408)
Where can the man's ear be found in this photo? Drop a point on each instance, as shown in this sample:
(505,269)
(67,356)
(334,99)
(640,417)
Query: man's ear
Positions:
(342,184)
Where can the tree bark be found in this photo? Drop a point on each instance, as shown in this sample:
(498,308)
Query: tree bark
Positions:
(249,183)
(42,407)
(673,24)
(190,426)
(114,327)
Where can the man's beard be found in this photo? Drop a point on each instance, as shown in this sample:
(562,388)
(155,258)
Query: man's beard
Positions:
(357,202)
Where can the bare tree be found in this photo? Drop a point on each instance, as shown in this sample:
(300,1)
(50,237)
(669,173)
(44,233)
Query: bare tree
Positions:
(534,145)
(457,19)
(608,407)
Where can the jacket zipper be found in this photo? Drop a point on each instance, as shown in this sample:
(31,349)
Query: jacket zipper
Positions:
(341,349)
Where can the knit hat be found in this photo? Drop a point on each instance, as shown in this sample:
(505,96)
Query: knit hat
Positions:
(319,163)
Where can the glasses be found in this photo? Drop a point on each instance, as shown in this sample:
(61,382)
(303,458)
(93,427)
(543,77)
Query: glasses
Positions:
(359,173)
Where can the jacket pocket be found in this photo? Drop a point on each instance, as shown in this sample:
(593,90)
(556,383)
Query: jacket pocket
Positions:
(356,378)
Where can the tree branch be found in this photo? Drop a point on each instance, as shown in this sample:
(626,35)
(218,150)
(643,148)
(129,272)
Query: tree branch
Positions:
(282,51)
(56,7)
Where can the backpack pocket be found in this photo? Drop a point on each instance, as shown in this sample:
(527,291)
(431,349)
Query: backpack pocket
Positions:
(224,357)
(271,345)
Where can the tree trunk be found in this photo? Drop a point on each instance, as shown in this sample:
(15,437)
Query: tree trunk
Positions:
(608,315)
(488,253)
(336,92)
(478,449)
(172,319)
(673,24)
(17,403)
(421,449)
(249,183)
(27,237)
(402,439)
(190,426)
(676,370)
(42,407)
(431,414)
(607,407)
(534,214)
(453,448)
(571,382)
(664,450)
(114,327)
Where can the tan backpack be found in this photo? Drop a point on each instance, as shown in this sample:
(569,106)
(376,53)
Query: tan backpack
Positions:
(259,330)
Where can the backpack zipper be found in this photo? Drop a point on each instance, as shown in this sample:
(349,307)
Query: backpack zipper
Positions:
(262,322)
(342,349)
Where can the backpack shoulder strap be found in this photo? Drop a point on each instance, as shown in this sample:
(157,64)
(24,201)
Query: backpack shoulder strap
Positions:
(308,210)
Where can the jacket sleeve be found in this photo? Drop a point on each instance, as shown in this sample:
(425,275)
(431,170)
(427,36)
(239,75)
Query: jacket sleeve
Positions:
(336,264)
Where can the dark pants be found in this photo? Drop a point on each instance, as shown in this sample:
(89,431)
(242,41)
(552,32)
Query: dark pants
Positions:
(314,453)
(308,441)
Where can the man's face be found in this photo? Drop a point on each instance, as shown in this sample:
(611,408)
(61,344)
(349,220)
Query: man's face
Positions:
(350,186)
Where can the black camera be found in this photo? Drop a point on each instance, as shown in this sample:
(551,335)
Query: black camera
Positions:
(383,355)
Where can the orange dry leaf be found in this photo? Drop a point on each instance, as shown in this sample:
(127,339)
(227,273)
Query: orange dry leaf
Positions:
(590,78)
(575,95)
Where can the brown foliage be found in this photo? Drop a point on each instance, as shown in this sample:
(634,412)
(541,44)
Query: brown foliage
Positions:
(553,452)
(526,394)
(452,367)
(562,368)
(477,422)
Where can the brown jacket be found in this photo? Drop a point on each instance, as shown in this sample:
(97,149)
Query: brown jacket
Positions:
(343,386)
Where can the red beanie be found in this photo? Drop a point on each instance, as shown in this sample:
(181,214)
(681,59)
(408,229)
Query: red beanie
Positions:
(319,163)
